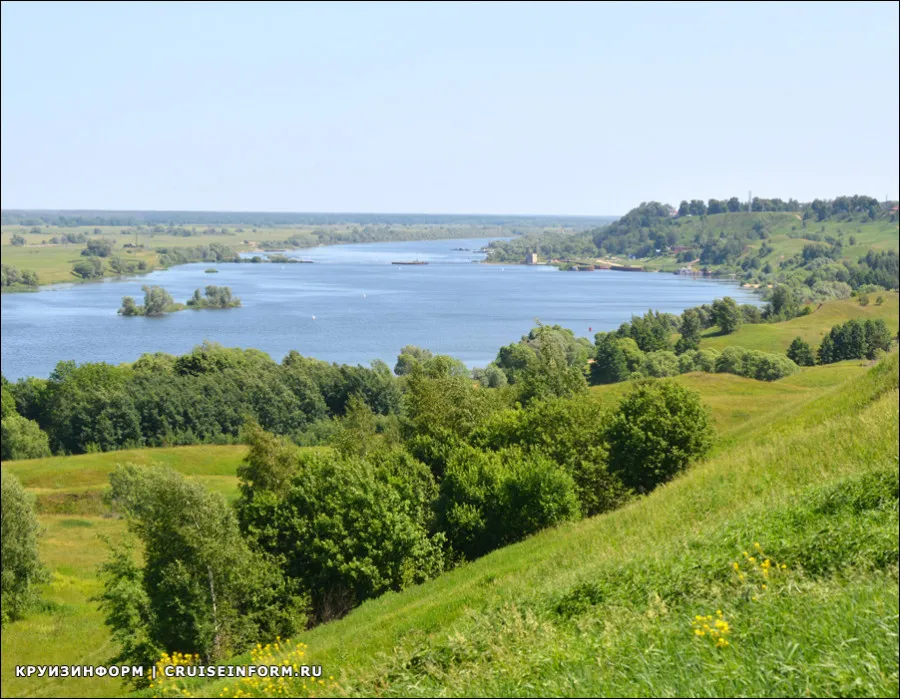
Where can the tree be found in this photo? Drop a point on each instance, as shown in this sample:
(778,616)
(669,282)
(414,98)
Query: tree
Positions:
(20,567)
(129,307)
(727,315)
(610,365)
(690,332)
(17,240)
(555,372)
(491,499)
(659,428)
(801,353)
(22,439)
(348,529)
(201,590)
(156,300)
(91,268)
(410,355)
(98,247)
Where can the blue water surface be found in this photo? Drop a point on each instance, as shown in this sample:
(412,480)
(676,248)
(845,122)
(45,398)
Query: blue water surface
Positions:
(351,306)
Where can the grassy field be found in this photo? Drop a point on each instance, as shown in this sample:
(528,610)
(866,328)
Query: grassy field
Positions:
(608,606)
(777,337)
(744,472)
(53,262)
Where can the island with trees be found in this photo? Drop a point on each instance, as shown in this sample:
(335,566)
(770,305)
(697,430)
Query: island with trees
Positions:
(158,301)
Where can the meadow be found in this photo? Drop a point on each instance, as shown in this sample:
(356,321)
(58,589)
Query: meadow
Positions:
(777,337)
(53,261)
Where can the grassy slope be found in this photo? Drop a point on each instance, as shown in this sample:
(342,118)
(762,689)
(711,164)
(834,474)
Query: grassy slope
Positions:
(775,440)
(785,235)
(777,337)
(605,605)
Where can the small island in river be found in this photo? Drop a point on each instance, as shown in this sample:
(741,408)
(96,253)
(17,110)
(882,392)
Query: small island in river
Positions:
(158,301)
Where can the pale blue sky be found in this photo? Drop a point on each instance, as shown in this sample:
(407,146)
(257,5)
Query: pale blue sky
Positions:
(478,108)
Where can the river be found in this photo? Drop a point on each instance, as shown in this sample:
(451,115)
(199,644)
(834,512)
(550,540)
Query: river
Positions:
(351,306)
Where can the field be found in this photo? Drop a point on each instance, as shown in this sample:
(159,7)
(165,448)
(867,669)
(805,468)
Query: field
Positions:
(777,337)
(776,441)
(53,262)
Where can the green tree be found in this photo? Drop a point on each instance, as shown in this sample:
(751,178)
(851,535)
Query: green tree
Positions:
(22,439)
(156,300)
(349,529)
(555,371)
(801,353)
(17,240)
(727,315)
(491,499)
(20,567)
(659,428)
(408,357)
(201,589)
(690,332)
(129,307)
(610,364)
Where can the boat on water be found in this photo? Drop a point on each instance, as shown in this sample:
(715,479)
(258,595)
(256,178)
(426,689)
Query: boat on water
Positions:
(410,262)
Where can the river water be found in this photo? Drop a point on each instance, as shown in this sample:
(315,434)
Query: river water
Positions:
(351,306)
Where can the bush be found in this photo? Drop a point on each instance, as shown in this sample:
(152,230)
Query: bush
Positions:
(570,433)
(660,364)
(659,428)
(20,567)
(347,528)
(801,353)
(491,499)
(22,439)
(201,589)
(753,364)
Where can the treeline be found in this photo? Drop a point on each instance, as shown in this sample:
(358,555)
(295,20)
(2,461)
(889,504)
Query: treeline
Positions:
(736,244)
(855,339)
(11,277)
(214,252)
(186,218)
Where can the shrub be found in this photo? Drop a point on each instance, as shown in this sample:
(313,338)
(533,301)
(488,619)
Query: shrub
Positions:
(201,589)
(491,499)
(801,353)
(570,433)
(22,439)
(659,364)
(347,528)
(659,428)
(20,567)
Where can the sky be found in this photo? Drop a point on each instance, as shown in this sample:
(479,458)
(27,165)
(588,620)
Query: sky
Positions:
(487,108)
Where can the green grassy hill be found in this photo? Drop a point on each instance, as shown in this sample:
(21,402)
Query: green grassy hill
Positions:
(777,337)
(805,466)
(787,537)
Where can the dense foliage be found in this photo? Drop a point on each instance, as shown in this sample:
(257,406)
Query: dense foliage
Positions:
(200,588)
(12,277)
(20,567)
(855,339)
